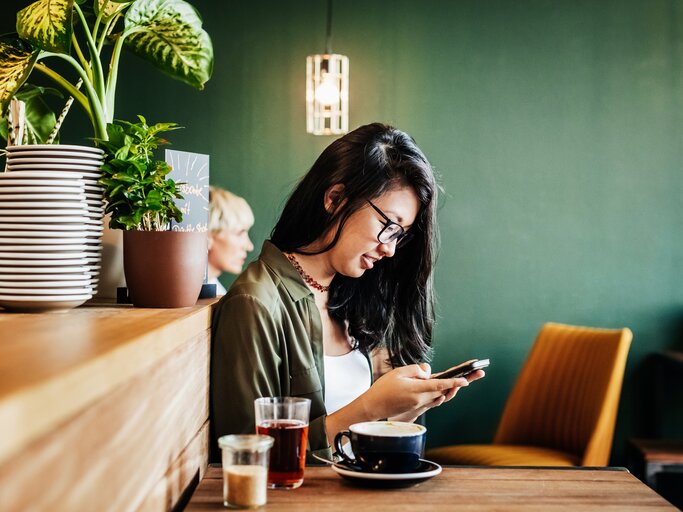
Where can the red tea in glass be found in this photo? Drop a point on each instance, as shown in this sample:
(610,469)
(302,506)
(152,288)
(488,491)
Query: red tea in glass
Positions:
(285,419)
(288,455)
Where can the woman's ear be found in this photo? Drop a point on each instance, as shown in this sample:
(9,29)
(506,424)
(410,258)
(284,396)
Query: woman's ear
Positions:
(210,237)
(334,197)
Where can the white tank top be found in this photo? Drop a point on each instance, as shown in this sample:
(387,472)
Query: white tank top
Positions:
(346,378)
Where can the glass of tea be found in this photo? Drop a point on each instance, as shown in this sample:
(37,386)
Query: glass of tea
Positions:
(285,419)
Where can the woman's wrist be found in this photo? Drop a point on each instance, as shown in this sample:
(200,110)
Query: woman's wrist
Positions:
(356,412)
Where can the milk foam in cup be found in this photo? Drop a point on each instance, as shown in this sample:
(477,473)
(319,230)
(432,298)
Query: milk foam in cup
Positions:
(388,428)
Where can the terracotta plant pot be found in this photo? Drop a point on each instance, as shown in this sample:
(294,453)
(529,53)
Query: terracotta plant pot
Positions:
(164,269)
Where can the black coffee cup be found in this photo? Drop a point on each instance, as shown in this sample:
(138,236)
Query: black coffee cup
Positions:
(383,446)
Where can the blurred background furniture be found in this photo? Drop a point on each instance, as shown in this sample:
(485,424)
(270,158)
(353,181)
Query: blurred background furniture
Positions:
(658,460)
(562,410)
(650,457)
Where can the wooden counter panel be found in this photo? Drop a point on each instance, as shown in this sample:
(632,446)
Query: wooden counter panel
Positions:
(189,468)
(111,454)
(55,364)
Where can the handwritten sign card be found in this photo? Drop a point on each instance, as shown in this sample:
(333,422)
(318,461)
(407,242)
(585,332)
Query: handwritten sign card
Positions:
(193,170)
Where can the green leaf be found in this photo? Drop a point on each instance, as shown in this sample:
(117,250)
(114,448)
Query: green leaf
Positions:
(169,34)
(123,177)
(112,8)
(17,58)
(47,24)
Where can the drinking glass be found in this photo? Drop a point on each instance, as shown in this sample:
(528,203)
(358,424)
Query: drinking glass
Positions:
(285,419)
(245,470)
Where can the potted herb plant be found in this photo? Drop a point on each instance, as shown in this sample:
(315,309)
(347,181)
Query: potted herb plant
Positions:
(163,268)
(167,33)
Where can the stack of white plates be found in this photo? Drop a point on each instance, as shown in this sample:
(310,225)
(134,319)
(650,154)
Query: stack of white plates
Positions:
(50,226)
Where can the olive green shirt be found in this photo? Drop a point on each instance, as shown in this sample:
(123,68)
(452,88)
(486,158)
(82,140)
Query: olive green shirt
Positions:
(267,341)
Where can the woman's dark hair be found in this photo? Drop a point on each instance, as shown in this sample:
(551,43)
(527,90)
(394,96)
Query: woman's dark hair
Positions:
(391,305)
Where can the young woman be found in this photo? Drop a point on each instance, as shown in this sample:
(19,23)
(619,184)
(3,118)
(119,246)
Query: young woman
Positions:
(230,219)
(346,275)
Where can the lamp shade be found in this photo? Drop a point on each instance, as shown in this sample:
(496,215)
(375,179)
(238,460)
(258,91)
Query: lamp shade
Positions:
(327,94)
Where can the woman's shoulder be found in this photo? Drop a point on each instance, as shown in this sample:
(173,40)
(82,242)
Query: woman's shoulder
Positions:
(270,281)
(257,282)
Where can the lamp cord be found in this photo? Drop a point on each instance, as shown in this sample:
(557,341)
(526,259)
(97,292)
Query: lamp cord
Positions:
(328,43)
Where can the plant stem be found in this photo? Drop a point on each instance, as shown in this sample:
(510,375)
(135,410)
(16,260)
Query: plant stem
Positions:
(99,18)
(81,57)
(113,71)
(105,33)
(98,74)
(78,95)
(97,116)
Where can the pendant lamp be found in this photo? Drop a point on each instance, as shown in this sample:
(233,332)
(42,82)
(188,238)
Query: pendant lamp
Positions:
(327,89)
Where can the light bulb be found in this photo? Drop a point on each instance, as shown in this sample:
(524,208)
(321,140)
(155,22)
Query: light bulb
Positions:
(327,92)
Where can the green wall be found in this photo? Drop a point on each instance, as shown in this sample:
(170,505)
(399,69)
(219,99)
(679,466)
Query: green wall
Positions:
(555,127)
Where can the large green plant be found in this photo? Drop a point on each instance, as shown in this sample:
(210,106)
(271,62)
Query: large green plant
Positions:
(137,191)
(167,33)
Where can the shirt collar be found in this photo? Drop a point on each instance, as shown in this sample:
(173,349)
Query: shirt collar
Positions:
(291,280)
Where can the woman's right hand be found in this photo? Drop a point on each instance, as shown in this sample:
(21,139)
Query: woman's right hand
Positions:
(407,390)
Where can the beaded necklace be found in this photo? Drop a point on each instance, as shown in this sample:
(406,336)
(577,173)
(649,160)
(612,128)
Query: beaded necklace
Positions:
(309,280)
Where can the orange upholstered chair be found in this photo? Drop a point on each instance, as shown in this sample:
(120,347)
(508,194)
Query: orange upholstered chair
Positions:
(563,407)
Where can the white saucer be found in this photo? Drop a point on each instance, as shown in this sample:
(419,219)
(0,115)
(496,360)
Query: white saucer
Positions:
(42,303)
(47,248)
(48,269)
(429,470)
(71,188)
(15,160)
(56,177)
(41,214)
(67,229)
(45,283)
(23,279)
(9,205)
(75,196)
(42,259)
(54,147)
(79,220)
(53,167)
(42,240)
(79,290)
(38,235)
(56,156)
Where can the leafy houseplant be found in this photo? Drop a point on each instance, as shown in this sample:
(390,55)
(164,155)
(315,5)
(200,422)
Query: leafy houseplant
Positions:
(168,33)
(137,192)
(163,268)
(40,119)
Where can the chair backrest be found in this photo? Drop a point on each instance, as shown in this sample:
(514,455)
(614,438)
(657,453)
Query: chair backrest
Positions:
(567,393)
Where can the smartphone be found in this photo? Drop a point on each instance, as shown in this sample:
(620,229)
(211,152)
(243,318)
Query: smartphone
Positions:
(462,369)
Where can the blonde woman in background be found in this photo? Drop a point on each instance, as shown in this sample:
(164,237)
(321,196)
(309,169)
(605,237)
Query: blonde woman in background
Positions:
(230,219)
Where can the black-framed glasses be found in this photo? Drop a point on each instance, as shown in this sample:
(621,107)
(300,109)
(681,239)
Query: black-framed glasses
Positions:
(391,231)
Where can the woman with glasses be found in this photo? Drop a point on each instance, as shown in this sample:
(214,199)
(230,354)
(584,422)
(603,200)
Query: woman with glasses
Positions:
(338,307)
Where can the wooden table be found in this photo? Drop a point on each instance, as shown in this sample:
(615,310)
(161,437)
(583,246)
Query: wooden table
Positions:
(457,488)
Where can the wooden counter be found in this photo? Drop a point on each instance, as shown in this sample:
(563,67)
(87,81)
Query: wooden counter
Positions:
(103,407)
